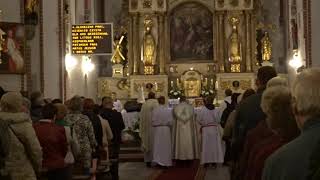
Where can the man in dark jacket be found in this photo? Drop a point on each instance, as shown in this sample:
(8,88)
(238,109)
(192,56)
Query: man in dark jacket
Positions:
(249,111)
(116,123)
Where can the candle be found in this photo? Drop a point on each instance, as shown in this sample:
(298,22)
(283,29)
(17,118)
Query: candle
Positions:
(217,85)
(206,81)
(178,83)
(156,86)
(171,83)
(211,82)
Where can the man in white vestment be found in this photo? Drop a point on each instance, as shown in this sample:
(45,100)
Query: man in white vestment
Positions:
(162,118)
(212,150)
(146,129)
(185,132)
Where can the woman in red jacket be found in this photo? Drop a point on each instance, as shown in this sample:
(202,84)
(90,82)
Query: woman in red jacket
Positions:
(54,145)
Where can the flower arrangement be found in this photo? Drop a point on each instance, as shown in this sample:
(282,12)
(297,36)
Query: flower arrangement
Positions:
(205,91)
(175,93)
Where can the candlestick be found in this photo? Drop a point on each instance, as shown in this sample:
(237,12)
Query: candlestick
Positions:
(156,86)
(178,83)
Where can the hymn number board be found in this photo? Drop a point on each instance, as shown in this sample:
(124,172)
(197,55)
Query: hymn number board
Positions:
(92,39)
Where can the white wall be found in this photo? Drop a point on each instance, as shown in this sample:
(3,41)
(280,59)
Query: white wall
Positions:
(10,13)
(315,23)
(51,49)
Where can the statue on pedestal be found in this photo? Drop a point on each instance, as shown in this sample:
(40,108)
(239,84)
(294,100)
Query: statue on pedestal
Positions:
(148,50)
(266,49)
(234,46)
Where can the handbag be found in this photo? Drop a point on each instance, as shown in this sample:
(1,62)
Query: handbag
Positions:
(73,147)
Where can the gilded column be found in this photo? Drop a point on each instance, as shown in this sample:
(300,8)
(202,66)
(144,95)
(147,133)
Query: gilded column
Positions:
(135,45)
(221,50)
(166,40)
(216,40)
(248,42)
(253,40)
(130,40)
(161,44)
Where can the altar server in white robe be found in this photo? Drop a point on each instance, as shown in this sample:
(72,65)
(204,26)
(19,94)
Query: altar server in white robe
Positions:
(162,121)
(212,150)
(185,134)
(146,129)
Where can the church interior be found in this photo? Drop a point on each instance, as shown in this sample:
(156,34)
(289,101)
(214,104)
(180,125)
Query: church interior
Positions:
(172,48)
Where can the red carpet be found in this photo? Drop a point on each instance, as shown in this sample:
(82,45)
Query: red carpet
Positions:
(180,171)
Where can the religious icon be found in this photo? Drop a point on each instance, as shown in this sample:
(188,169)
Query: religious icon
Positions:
(192,87)
(148,50)
(12,48)
(118,57)
(266,50)
(234,42)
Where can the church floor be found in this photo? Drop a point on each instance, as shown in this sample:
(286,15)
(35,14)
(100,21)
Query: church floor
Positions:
(138,171)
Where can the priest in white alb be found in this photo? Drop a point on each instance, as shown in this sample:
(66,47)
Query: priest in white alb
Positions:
(212,150)
(185,136)
(146,129)
(162,121)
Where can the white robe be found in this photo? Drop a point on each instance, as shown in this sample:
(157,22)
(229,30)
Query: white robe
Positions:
(212,150)
(186,145)
(162,149)
(146,129)
(130,119)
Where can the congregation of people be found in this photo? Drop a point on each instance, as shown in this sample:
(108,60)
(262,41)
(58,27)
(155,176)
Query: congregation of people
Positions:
(268,134)
(44,139)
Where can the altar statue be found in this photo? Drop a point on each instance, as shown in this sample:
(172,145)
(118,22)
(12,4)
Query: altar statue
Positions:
(148,49)
(234,42)
(266,49)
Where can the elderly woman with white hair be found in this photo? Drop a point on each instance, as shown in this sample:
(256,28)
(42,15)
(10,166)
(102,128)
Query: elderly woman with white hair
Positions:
(293,161)
(84,132)
(257,134)
(21,153)
(276,104)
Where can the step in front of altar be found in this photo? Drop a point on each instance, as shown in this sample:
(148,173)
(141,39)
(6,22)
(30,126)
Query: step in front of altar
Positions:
(131,154)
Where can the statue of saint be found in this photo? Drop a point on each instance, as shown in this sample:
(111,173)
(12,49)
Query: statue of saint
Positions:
(266,49)
(234,42)
(148,50)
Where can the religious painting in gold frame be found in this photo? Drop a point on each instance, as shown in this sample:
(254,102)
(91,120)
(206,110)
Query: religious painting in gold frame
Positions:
(191,33)
(12,40)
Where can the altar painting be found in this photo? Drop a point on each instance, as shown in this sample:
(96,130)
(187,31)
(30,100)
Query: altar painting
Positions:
(191,33)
